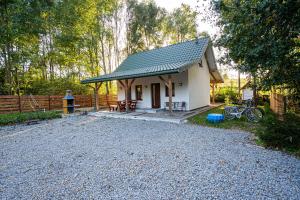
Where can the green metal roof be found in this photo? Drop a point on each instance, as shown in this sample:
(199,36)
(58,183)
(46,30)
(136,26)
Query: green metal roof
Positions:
(166,60)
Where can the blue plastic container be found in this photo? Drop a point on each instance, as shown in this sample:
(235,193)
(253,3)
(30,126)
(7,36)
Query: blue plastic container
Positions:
(215,118)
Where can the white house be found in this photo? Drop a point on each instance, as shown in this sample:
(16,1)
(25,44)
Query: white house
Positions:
(146,76)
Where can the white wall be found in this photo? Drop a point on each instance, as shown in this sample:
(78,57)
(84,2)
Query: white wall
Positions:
(181,92)
(247,93)
(199,85)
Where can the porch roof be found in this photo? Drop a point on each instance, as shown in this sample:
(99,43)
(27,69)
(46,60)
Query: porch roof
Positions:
(166,60)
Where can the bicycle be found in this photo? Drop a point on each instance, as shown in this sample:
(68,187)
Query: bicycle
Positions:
(253,114)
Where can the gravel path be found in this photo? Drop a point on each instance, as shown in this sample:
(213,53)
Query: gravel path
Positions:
(93,158)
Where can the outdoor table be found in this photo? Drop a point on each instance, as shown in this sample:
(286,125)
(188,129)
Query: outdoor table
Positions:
(113,107)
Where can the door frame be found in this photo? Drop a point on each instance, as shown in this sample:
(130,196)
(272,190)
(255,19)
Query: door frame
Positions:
(153,95)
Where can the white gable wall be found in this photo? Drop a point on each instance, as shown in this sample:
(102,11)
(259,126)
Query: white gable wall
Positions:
(181,90)
(199,85)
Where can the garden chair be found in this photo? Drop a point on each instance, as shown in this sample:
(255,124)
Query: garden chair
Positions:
(133,105)
(122,106)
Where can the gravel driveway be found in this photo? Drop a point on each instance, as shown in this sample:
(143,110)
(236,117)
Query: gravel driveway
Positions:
(87,157)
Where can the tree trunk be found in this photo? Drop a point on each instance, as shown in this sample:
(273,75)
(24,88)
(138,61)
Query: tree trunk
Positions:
(254,90)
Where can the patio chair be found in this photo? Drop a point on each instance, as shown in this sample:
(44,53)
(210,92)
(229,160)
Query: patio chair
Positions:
(122,106)
(182,106)
(176,106)
(133,105)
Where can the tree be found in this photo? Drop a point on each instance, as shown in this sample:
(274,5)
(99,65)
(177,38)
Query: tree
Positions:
(262,37)
(52,44)
(181,24)
(144,25)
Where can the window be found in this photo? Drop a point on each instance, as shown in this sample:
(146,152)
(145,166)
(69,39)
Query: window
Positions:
(173,90)
(138,92)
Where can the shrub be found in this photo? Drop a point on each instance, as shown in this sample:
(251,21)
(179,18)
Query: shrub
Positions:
(280,134)
(226,92)
(14,118)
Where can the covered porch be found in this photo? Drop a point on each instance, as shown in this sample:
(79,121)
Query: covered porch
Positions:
(143,94)
(151,94)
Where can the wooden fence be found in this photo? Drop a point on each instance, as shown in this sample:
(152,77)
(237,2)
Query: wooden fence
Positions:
(11,104)
(278,104)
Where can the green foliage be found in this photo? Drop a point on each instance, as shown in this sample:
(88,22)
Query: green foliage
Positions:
(14,118)
(55,87)
(262,38)
(145,25)
(49,46)
(283,134)
(228,93)
(181,24)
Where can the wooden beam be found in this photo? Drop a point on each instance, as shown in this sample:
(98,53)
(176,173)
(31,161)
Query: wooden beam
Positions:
(131,82)
(213,76)
(121,83)
(213,93)
(163,80)
(126,95)
(170,92)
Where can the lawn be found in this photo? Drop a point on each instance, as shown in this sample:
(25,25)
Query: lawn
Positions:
(240,124)
(14,118)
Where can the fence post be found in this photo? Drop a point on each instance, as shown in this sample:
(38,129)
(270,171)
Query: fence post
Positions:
(91,96)
(20,106)
(49,102)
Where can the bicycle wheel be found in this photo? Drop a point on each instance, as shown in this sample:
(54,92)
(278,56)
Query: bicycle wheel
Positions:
(228,113)
(254,115)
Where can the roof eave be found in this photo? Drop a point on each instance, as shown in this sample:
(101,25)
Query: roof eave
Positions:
(99,79)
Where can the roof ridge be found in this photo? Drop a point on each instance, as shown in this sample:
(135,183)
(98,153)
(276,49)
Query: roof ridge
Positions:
(170,63)
(202,38)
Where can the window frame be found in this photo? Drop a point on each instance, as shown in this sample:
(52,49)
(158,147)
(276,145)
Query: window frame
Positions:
(137,97)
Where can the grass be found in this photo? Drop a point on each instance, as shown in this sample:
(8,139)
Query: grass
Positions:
(15,118)
(239,124)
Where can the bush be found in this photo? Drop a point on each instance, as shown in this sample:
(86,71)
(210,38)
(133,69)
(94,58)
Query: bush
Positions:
(280,134)
(226,93)
(14,118)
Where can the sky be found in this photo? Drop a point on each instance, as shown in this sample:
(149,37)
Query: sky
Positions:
(201,25)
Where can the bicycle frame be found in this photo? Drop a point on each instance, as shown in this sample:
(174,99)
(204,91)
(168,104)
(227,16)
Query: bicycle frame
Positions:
(238,111)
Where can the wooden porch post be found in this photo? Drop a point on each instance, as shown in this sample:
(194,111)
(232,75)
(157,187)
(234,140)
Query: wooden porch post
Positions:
(213,92)
(127,87)
(170,92)
(126,95)
(170,89)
